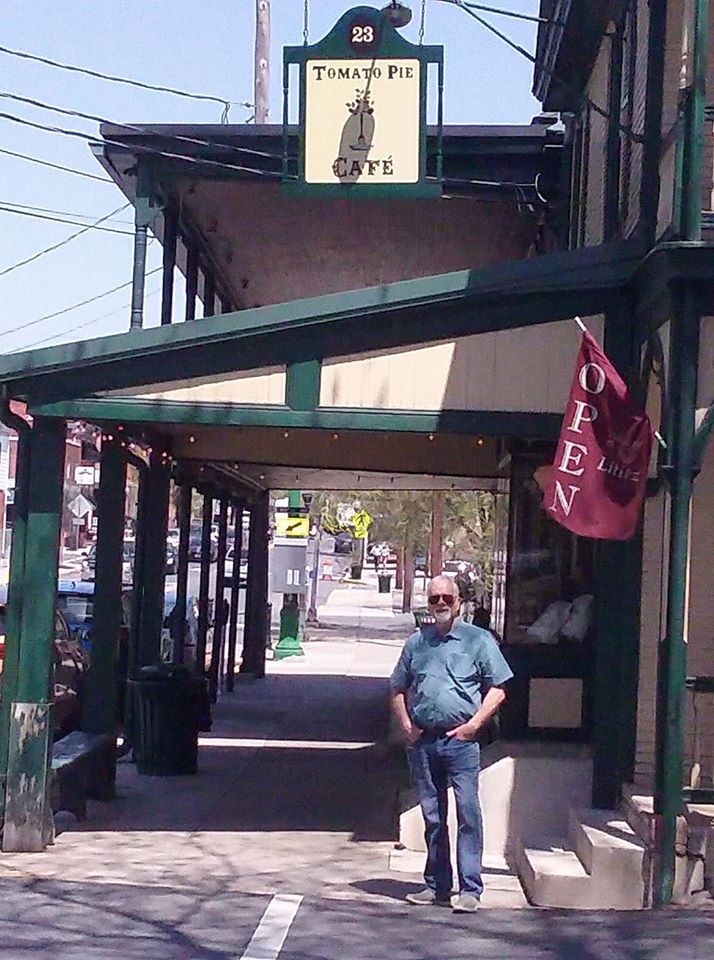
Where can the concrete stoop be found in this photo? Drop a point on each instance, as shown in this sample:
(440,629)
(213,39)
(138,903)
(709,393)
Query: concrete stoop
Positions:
(600,866)
(694,861)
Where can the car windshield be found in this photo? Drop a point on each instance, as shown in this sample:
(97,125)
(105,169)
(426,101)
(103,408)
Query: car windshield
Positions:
(77,609)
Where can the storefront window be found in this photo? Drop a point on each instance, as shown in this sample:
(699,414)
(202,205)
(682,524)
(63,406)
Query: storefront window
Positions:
(549,582)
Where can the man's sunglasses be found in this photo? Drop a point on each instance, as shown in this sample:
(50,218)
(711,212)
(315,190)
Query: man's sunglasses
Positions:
(435,598)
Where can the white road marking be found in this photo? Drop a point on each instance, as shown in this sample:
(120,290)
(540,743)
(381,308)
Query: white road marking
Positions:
(269,937)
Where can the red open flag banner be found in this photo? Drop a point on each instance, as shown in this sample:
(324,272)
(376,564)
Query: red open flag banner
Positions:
(597,482)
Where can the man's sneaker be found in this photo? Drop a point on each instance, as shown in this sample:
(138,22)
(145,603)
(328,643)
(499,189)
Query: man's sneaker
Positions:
(427,898)
(465,903)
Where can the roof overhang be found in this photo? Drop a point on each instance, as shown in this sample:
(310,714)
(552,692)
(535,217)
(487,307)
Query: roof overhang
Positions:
(567,47)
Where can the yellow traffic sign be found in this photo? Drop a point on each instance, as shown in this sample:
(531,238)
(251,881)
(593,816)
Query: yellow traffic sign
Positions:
(286,526)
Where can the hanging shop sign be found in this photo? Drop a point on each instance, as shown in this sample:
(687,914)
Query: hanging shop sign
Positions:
(362,112)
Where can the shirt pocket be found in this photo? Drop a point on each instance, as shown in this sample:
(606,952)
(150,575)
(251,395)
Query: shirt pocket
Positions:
(461,666)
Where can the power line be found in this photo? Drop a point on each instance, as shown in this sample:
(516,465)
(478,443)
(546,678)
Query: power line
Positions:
(56,246)
(197,141)
(57,166)
(65,213)
(74,223)
(223,101)
(75,306)
(80,326)
(152,151)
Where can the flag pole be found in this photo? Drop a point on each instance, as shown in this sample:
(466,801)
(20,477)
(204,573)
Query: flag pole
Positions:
(580,324)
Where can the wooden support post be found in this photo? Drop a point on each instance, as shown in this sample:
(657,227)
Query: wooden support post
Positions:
(169,263)
(256,601)
(154,518)
(27,814)
(191,280)
(219,615)
(178,632)
(235,596)
(262,60)
(204,586)
(100,704)
(436,552)
(209,293)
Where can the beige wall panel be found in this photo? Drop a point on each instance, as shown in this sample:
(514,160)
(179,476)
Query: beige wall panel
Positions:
(705,382)
(651,628)
(528,369)
(700,659)
(263,387)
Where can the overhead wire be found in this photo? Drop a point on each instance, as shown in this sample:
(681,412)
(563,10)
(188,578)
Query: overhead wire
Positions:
(81,326)
(74,306)
(57,166)
(77,216)
(137,148)
(175,91)
(143,129)
(61,243)
(74,223)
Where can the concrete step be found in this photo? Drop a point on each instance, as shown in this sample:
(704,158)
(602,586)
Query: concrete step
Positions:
(552,875)
(612,854)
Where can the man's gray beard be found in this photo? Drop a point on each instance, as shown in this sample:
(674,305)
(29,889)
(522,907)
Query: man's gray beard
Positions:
(443,616)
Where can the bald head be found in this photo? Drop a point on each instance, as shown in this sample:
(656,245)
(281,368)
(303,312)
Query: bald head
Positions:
(442,595)
(442,584)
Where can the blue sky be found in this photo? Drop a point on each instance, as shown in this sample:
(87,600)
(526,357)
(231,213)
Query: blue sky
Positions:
(203,48)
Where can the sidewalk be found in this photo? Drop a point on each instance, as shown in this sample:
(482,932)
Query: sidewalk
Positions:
(292,810)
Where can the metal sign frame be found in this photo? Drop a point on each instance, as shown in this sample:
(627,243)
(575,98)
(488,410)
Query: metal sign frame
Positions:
(386,43)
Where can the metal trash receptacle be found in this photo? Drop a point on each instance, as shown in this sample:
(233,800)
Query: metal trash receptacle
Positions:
(170,706)
(384,583)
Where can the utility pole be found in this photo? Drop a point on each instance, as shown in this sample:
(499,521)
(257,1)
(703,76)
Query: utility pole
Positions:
(436,553)
(262,60)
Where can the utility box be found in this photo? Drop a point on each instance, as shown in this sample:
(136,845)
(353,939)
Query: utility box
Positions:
(288,562)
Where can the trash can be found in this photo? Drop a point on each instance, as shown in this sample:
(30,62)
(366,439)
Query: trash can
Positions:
(356,571)
(170,706)
(384,581)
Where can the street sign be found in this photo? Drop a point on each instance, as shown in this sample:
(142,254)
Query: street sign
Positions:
(80,506)
(286,526)
(362,123)
(84,474)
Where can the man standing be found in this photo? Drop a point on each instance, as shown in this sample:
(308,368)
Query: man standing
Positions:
(446,686)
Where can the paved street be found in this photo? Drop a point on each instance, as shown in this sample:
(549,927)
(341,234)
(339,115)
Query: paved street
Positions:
(283,845)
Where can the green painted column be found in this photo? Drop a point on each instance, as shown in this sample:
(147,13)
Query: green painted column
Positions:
(15,594)
(672,665)
(617,627)
(219,616)
(184,524)
(100,705)
(154,521)
(256,601)
(27,812)
(235,595)
(204,585)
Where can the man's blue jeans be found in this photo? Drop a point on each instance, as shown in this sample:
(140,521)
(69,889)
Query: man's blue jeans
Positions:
(436,762)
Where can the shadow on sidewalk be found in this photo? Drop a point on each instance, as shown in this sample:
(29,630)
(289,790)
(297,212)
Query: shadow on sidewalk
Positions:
(289,753)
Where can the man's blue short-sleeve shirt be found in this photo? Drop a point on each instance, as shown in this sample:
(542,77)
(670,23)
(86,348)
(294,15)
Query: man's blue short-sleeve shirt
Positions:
(448,676)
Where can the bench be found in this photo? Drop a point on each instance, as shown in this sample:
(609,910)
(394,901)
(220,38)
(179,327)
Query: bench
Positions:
(83,767)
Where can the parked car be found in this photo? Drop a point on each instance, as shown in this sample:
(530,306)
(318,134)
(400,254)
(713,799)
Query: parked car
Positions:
(89,563)
(69,667)
(194,546)
(230,555)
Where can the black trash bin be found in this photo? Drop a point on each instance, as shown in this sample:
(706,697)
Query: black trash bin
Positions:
(384,581)
(170,706)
